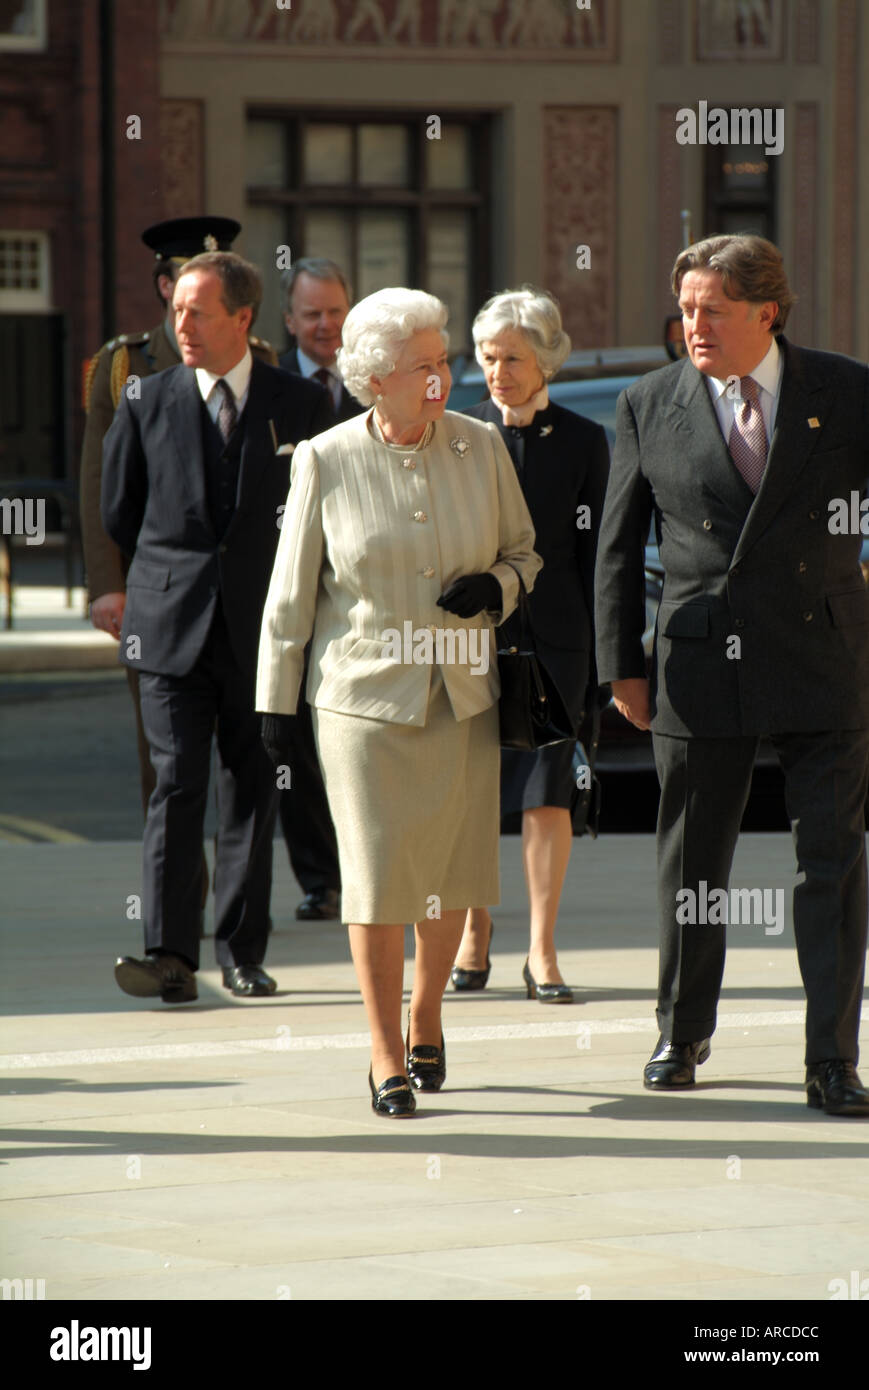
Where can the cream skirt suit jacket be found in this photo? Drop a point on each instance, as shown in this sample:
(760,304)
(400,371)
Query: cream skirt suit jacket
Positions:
(371,536)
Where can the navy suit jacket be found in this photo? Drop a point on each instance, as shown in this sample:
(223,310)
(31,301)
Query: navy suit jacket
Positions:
(349,406)
(766,570)
(155,508)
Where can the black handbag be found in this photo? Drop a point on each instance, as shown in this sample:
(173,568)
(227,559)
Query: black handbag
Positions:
(531,710)
(586,794)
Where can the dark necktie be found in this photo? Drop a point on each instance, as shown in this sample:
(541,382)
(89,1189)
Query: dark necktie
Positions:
(325,379)
(748,442)
(227,415)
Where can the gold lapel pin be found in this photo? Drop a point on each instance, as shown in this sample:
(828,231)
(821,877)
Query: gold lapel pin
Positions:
(814,422)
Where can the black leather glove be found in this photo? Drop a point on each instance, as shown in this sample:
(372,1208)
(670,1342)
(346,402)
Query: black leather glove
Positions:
(469,595)
(276,731)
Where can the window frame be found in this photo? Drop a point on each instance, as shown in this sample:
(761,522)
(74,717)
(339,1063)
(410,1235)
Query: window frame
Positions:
(418,198)
(28,43)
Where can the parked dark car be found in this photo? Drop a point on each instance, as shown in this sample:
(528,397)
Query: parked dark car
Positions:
(624,748)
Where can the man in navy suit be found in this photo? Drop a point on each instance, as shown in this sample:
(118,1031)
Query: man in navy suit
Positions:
(743,452)
(318,301)
(194,485)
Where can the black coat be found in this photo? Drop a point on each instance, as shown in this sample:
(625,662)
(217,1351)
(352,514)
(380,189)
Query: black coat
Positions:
(766,569)
(155,508)
(349,405)
(565,466)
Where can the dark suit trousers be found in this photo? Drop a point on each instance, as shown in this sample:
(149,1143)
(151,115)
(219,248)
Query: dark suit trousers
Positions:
(180,714)
(304,810)
(705,784)
(147,776)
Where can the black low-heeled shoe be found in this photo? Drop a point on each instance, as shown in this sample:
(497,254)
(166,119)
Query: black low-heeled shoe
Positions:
(474,979)
(545,994)
(426,1065)
(393,1097)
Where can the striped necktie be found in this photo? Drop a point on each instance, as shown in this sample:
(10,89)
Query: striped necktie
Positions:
(748,442)
(227,415)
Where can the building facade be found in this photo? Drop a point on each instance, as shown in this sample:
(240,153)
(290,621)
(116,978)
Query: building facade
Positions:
(458,145)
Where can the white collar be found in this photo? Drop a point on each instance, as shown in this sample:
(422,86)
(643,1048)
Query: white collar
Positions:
(766,373)
(308,366)
(238,378)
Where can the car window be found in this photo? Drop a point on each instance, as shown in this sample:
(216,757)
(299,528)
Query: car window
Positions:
(595,399)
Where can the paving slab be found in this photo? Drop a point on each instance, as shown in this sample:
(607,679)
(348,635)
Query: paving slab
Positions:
(226,1149)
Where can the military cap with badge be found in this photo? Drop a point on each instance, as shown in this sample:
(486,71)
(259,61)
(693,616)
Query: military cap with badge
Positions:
(173,242)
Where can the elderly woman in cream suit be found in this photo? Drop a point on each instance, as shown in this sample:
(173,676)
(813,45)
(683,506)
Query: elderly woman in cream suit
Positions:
(400,545)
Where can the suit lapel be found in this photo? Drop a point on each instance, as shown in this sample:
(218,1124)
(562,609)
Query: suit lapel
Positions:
(792,443)
(691,413)
(185,430)
(258,450)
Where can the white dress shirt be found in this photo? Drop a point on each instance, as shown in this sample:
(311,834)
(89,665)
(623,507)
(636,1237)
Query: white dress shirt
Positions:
(308,367)
(767,375)
(238,380)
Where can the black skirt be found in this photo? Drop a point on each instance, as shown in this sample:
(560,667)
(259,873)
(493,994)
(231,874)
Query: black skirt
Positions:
(541,778)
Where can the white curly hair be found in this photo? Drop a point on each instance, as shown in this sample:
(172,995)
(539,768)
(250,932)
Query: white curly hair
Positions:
(376,330)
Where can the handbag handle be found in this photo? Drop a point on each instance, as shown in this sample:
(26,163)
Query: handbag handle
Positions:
(523,608)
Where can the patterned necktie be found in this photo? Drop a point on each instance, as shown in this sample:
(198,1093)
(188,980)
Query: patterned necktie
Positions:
(748,442)
(227,415)
(325,379)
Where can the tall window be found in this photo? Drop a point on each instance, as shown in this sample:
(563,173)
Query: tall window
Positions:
(24,272)
(377,195)
(740,191)
(23,25)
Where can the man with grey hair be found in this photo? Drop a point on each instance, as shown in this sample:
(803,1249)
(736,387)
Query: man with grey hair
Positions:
(193,490)
(318,302)
(740,452)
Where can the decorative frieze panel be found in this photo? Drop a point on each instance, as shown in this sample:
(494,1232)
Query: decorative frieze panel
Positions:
(579,219)
(181,158)
(740,31)
(566,28)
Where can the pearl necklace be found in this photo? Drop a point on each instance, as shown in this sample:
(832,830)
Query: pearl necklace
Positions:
(421,443)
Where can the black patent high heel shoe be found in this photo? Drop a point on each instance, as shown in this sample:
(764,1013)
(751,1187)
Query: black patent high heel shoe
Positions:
(545,994)
(393,1097)
(426,1065)
(474,979)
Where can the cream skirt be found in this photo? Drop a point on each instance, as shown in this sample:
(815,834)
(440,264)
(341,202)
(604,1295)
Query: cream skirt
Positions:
(415,810)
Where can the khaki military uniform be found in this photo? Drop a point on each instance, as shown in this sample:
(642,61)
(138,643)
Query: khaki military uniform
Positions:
(130,354)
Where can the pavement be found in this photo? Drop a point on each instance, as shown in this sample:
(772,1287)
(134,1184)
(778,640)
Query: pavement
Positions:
(227,1148)
(49,636)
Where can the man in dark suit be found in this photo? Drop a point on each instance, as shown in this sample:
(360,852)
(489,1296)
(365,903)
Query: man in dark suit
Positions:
(193,490)
(742,453)
(138,354)
(318,302)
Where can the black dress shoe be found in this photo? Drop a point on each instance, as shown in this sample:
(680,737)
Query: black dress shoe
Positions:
(392,1097)
(164,977)
(545,994)
(474,979)
(672,1064)
(248,980)
(322,905)
(834,1086)
(426,1065)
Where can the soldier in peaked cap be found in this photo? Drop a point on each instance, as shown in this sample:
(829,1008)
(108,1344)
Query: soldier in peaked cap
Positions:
(138,355)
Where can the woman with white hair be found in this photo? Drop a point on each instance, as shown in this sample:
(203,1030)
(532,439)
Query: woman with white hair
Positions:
(562,461)
(398,521)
